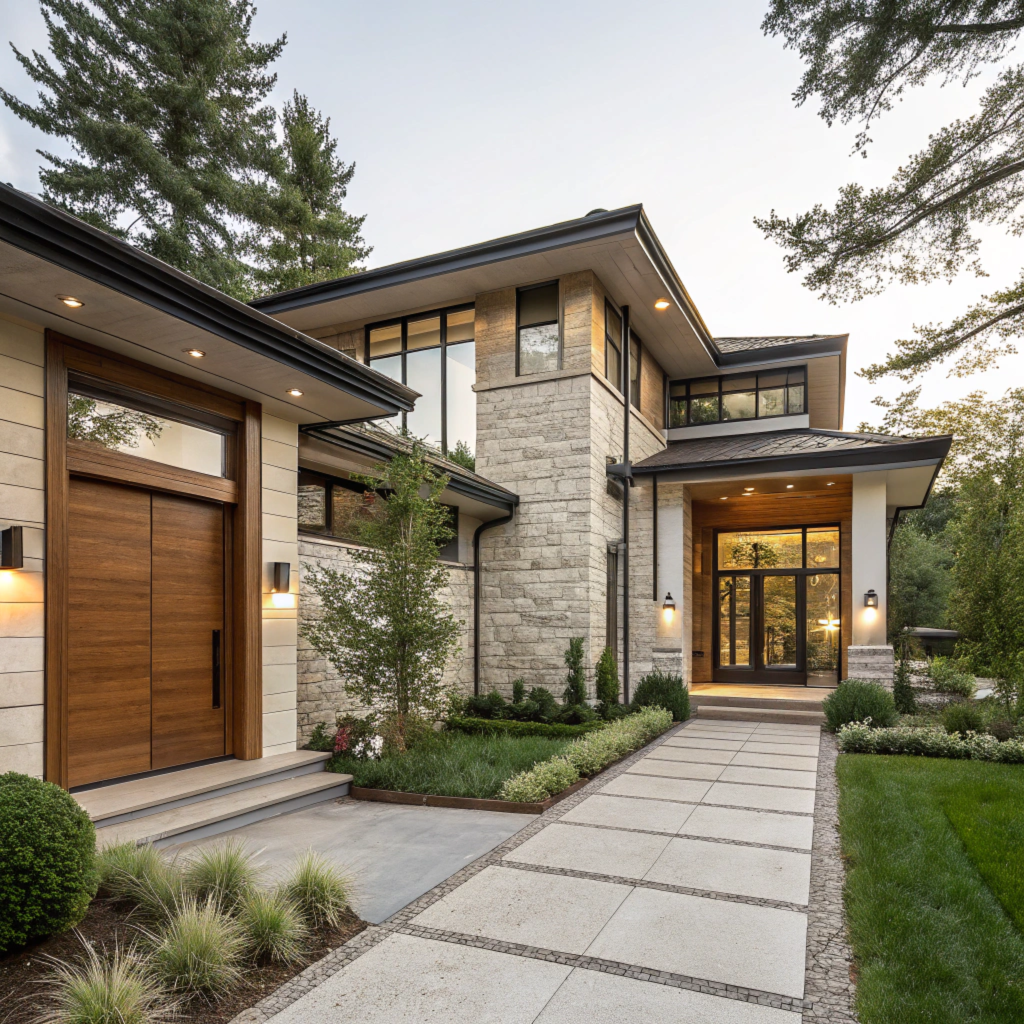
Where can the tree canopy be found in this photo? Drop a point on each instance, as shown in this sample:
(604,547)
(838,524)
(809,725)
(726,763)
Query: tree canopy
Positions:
(861,56)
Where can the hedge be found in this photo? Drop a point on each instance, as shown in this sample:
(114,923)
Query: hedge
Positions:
(508,727)
(860,738)
(587,756)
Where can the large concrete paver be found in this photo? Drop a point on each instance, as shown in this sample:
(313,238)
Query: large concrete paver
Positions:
(645,899)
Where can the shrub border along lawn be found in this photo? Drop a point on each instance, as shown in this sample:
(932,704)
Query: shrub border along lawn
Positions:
(510,727)
(860,738)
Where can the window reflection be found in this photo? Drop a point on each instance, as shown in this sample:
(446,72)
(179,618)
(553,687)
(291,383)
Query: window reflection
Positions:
(538,330)
(766,549)
(423,372)
(461,371)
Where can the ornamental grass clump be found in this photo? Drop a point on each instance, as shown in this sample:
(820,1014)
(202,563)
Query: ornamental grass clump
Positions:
(860,738)
(273,926)
(223,873)
(319,891)
(587,756)
(142,876)
(100,989)
(199,951)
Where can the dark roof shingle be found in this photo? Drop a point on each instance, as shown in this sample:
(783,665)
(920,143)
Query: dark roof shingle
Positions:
(751,344)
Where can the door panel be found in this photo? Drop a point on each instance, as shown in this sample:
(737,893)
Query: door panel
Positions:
(188,610)
(108,631)
(779,622)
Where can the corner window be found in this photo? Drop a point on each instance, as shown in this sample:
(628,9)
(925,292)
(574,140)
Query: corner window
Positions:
(746,396)
(613,355)
(634,370)
(538,337)
(435,354)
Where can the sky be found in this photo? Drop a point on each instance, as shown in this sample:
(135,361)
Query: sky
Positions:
(468,121)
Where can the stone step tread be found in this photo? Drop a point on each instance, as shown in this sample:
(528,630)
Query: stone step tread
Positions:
(127,797)
(761,715)
(778,703)
(154,827)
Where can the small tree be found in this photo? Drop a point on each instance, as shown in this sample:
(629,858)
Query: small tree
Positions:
(576,678)
(606,683)
(385,628)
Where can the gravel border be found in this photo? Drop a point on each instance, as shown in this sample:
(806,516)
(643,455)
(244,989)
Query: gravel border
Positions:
(829,986)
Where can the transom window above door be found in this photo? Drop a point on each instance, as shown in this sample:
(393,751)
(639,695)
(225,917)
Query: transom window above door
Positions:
(746,396)
(148,428)
(810,547)
(435,354)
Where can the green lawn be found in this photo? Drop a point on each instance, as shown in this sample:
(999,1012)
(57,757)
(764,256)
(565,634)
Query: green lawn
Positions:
(935,888)
(452,764)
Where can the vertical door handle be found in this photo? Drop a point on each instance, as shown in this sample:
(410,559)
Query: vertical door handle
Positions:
(216,668)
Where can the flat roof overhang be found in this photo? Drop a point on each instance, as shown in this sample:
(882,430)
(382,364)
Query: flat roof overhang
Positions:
(619,246)
(139,307)
(324,449)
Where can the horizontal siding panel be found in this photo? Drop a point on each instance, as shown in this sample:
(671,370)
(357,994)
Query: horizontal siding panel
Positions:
(22,471)
(284,654)
(20,688)
(19,439)
(276,678)
(17,407)
(278,478)
(21,620)
(22,725)
(280,503)
(21,654)
(279,727)
(23,343)
(21,376)
(275,429)
(277,454)
(22,504)
(282,701)
(280,528)
(279,633)
(26,758)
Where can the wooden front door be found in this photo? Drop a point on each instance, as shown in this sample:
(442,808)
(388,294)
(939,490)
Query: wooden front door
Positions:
(146,631)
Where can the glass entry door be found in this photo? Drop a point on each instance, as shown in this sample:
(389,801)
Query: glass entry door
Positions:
(776,614)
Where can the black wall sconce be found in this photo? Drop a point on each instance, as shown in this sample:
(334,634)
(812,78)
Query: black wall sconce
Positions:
(280,585)
(668,609)
(870,599)
(11,550)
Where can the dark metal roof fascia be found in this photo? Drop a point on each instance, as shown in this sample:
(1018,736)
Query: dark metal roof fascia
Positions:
(57,237)
(778,353)
(498,497)
(527,243)
(923,450)
(663,265)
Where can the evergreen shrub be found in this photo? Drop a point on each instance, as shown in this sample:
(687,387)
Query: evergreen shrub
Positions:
(855,700)
(663,690)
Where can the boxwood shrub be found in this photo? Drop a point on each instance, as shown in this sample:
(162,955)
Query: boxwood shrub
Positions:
(47,860)
(855,700)
(663,690)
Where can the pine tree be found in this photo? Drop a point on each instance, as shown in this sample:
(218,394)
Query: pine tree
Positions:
(311,237)
(162,103)
(575,679)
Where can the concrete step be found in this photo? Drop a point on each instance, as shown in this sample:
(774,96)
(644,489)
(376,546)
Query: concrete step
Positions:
(796,704)
(756,714)
(123,801)
(222,813)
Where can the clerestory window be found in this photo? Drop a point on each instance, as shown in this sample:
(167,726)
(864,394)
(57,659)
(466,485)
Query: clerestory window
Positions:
(743,396)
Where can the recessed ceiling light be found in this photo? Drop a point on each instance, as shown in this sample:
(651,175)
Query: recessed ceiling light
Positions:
(195,353)
(662,304)
(789,487)
(70,300)
(724,498)
(748,489)
(295,392)
(831,483)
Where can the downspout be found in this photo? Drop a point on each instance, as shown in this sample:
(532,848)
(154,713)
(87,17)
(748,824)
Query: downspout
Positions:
(626,483)
(476,595)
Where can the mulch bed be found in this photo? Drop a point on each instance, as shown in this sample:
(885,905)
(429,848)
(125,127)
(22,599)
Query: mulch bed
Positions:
(24,973)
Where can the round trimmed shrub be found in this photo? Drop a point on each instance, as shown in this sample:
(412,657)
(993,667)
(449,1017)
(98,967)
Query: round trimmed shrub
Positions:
(47,860)
(662,690)
(855,700)
(962,717)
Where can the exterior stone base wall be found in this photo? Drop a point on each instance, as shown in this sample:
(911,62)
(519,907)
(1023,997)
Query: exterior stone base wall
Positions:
(874,664)
(321,694)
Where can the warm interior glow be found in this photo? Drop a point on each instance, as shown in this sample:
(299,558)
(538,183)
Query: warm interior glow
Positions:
(195,353)
(870,614)
(748,489)
(789,487)
(724,498)
(282,600)
(831,483)
(295,392)
(668,614)
(829,623)
(70,300)
(662,304)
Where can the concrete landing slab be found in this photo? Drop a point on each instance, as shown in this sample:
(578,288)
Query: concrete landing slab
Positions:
(603,851)
(769,777)
(769,798)
(622,812)
(686,790)
(769,827)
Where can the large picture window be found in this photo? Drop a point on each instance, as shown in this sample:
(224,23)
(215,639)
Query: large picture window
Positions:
(538,332)
(746,396)
(435,354)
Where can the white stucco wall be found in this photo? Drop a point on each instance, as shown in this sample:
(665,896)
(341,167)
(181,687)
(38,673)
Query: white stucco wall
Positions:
(22,503)
(868,541)
(280,458)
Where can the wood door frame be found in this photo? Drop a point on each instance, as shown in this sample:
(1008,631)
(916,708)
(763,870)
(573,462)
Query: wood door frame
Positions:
(243,534)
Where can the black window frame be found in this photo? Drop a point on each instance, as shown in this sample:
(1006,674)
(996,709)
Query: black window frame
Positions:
(448,553)
(617,344)
(544,323)
(404,321)
(721,379)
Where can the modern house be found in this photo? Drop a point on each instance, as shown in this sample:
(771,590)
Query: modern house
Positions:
(170,458)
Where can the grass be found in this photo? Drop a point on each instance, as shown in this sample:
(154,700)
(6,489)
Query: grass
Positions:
(935,890)
(319,891)
(452,764)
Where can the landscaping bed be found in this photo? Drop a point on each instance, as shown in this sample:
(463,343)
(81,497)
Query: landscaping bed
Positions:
(24,974)
(934,888)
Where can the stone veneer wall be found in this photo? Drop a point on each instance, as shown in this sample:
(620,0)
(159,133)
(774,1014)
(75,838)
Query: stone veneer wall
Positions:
(321,694)
(22,503)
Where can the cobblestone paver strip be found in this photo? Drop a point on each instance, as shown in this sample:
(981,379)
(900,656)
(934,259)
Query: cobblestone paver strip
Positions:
(828,988)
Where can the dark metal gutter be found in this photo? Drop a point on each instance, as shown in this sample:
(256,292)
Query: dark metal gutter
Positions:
(65,241)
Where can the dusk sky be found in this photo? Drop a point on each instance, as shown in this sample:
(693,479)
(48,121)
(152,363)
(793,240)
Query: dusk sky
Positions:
(469,121)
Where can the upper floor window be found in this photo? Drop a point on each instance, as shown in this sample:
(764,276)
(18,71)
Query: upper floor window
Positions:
(435,354)
(738,397)
(538,336)
(613,354)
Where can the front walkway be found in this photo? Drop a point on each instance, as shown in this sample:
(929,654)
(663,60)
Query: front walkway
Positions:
(673,888)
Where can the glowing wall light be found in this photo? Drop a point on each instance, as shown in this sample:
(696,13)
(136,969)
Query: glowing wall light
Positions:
(281,576)
(668,610)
